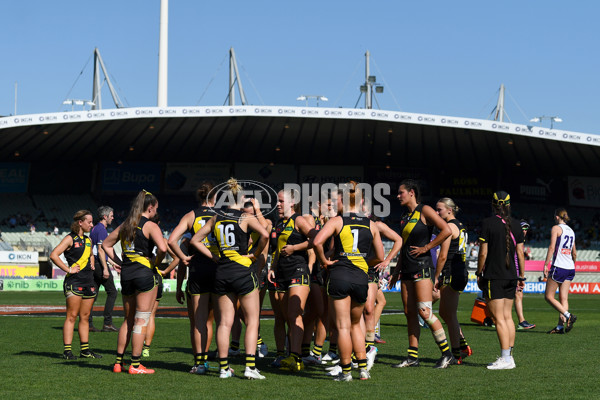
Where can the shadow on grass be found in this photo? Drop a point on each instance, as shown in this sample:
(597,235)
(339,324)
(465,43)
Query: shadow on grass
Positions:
(390,360)
(185,350)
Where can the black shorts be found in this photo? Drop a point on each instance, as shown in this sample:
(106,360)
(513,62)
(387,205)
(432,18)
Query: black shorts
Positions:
(284,285)
(417,276)
(261,275)
(239,285)
(87,291)
(201,283)
(143,280)
(457,281)
(374,277)
(273,287)
(498,288)
(159,280)
(339,289)
(317,275)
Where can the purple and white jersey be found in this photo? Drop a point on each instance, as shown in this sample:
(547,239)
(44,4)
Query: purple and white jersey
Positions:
(563,257)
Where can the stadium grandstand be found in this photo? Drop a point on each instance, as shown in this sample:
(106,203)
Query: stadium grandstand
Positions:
(56,163)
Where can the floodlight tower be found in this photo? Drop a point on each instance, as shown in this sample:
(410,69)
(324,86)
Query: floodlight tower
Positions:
(163,54)
(370,83)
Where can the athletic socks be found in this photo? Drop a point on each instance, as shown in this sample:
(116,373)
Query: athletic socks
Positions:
(369,340)
(506,355)
(362,364)
(119,359)
(444,348)
(223,364)
(85,347)
(280,353)
(250,361)
(347,368)
(198,359)
(68,347)
(413,353)
(235,346)
(333,347)
(146,347)
(463,343)
(305,349)
(259,341)
(135,361)
(567,314)
(317,350)
(456,352)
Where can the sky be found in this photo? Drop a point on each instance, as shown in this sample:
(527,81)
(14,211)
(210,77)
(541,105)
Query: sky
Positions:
(434,57)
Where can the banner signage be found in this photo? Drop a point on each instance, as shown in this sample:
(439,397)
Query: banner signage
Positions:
(584,191)
(56,285)
(22,271)
(187,177)
(18,257)
(530,287)
(580,266)
(130,177)
(80,117)
(14,177)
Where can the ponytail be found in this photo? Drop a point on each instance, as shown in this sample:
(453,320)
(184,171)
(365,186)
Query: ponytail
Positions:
(140,204)
(450,204)
(205,193)
(562,214)
(501,206)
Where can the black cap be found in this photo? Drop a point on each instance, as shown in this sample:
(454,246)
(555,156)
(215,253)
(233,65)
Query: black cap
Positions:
(525,225)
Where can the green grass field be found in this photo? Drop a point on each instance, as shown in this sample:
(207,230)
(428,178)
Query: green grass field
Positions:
(548,366)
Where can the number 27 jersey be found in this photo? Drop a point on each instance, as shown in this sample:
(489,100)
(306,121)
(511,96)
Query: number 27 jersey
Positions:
(563,256)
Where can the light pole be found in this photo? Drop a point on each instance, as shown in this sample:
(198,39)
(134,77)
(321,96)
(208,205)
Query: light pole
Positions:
(305,97)
(543,117)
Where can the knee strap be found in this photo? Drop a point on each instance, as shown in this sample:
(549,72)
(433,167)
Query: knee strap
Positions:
(427,305)
(144,316)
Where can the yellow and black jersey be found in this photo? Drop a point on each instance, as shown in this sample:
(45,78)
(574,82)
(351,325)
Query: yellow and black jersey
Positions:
(351,249)
(140,250)
(198,261)
(231,240)
(457,250)
(287,234)
(254,239)
(415,233)
(79,253)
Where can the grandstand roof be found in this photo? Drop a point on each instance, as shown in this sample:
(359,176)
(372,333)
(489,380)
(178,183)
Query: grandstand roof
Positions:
(298,135)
